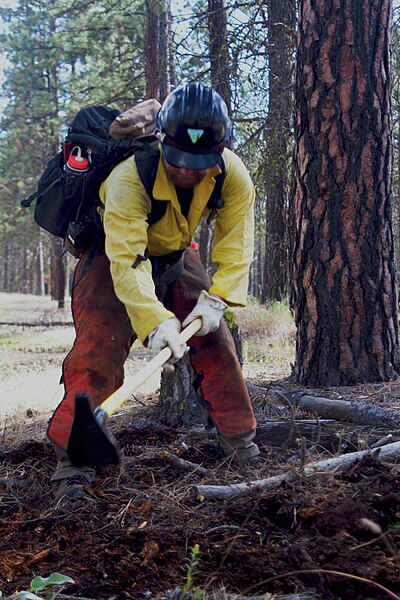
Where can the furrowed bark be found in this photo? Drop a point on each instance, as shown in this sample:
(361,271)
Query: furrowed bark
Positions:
(344,295)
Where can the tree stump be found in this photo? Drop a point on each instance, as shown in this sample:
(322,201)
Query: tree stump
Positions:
(178,402)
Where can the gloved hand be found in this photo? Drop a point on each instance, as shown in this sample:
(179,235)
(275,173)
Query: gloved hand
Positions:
(210,309)
(167,334)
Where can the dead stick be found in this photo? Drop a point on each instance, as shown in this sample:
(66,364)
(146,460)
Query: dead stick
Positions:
(382,441)
(7,483)
(390,453)
(186,465)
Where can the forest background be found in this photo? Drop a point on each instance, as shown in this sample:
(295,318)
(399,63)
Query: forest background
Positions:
(259,56)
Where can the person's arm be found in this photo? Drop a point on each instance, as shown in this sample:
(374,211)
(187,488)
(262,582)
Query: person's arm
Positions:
(234,234)
(233,249)
(126,208)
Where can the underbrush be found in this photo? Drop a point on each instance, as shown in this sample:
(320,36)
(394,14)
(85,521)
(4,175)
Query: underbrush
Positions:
(268,335)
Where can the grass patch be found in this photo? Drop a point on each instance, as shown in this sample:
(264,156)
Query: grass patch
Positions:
(268,335)
(37,339)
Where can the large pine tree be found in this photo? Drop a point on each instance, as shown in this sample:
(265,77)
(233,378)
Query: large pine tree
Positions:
(345,298)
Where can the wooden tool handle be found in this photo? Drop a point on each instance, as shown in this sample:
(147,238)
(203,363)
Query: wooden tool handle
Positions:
(130,386)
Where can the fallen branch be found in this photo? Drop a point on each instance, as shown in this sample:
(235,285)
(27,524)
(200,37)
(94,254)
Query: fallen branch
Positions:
(355,411)
(287,432)
(389,453)
(173,459)
(7,483)
(183,464)
(362,413)
(324,433)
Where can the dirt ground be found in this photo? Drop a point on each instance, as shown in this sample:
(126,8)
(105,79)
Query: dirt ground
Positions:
(329,537)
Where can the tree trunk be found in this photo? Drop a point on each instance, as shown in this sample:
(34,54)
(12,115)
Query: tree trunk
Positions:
(164,51)
(281,19)
(152,58)
(397,197)
(58,272)
(344,282)
(178,403)
(158,62)
(40,289)
(205,246)
(219,65)
(219,57)
(6,262)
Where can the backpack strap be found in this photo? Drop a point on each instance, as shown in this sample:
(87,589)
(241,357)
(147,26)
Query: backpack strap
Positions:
(215,201)
(26,202)
(147,155)
(147,159)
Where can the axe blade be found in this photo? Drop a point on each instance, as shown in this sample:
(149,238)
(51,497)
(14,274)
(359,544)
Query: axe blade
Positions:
(90,443)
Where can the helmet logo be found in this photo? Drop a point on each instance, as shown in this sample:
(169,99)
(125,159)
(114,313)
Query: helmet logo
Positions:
(195,134)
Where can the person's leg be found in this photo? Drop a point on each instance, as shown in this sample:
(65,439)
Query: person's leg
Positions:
(216,366)
(95,363)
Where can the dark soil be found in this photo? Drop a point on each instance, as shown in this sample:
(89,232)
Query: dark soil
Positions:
(134,538)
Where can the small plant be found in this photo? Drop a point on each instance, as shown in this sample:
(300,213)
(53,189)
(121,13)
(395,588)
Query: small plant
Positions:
(261,537)
(230,318)
(38,584)
(193,561)
(396,527)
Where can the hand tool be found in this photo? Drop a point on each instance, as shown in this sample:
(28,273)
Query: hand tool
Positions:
(90,442)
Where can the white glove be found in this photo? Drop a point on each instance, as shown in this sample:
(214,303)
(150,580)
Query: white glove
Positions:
(167,334)
(210,309)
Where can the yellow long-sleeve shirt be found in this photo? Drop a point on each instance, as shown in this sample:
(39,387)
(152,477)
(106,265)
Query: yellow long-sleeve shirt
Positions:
(128,235)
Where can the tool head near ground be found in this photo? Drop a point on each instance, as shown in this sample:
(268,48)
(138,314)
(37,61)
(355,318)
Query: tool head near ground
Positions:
(90,442)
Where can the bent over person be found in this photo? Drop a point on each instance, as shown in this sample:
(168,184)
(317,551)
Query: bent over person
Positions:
(149,282)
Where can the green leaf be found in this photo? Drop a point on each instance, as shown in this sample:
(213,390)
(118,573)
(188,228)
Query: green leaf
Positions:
(39,583)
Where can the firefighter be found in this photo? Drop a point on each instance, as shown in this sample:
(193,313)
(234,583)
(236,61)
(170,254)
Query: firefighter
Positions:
(149,282)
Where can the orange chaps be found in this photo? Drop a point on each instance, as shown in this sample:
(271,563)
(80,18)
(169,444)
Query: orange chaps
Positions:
(104,337)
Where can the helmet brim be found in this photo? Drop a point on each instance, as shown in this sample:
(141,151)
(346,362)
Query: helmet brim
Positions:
(187,160)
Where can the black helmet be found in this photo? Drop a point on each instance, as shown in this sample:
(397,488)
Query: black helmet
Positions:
(194,126)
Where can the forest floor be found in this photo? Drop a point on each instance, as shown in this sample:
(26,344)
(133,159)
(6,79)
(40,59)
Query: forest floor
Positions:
(329,536)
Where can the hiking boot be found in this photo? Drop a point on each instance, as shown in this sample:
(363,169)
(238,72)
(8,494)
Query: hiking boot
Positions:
(72,489)
(239,448)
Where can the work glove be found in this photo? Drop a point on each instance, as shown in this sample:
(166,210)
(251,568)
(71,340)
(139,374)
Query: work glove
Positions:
(210,309)
(167,334)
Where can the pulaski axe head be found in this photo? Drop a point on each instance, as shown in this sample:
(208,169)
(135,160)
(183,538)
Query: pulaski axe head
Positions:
(90,443)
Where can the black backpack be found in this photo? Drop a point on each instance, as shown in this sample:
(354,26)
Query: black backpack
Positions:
(67,201)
